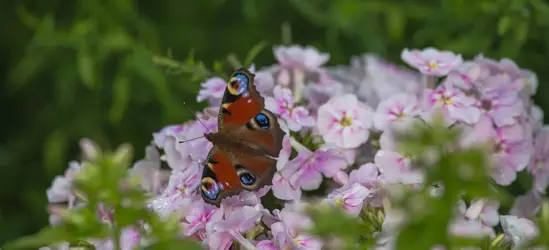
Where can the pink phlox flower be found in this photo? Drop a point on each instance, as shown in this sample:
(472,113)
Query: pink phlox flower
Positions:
(464,76)
(319,93)
(283,105)
(527,205)
(266,245)
(181,190)
(244,198)
(483,210)
(312,165)
(366,175)
(470,229)
(198,215)
(212,90)
(196,149)
(451,103)
(398,109)
(539,163)
(282,187)
(431,61)
(499,98)
(519,230)
(345,121)
(394,167)
(350,199)
(166,139)
(381,79)
(512,153)
(220,234)
(61,188)
(296,56)
(264,83)
(288,233)
(152,178)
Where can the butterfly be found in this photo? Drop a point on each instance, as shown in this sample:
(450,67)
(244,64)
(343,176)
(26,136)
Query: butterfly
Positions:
(246,146)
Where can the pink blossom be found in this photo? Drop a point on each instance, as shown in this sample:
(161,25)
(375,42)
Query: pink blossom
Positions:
(198,215)
(452,104)
(61,188)
(430,61)
(527,205)
(512,152)
(539,164)
(519,230)
(393,166)
(293,56)
(196,149)
(180,191)
(344,121)
(499,98)
(350,199)
(266,245)
(149,173)
(366,175)
(283,105)
(399,108)
(311,165)
(287,232)
(220,234)
(483,210)
(212,90)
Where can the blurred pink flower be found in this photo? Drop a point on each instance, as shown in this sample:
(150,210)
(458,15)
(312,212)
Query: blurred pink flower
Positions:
(198,215)
(451,103)
(394,167)
(283,105)
(350,199)
(431,61)
(152,178)
(287,231)
(399,108)
(266,245)
(312,165)
(181,190)
(539,163)
(295,56)
(221,233)
(212,90)
(519,230)
(61,187)
(512,152)
(345,121)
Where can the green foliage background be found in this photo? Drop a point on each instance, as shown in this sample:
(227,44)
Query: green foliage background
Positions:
(74,69)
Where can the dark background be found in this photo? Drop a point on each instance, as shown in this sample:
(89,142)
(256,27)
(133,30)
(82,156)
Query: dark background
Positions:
(84,68)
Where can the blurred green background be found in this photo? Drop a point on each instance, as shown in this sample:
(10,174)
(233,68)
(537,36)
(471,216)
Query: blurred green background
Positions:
(74,69)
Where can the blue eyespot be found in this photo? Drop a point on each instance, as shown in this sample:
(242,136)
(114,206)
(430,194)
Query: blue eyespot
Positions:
(210,190)
(241,82)
(262,121)
(247,178)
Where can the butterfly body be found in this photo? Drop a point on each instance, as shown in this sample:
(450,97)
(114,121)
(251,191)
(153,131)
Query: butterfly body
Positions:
(246,145)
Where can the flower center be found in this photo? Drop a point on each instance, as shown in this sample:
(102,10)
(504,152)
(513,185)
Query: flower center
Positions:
(339,202)
(346,121)
(432,65)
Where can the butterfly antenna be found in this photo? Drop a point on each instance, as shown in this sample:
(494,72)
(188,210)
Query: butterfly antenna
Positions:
(194,114)
(191,139)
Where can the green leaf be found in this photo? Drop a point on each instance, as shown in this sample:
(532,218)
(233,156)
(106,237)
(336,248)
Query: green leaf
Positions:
(86,66)
(55,151)
(45,237)
(504,23)
(252,54)
(121,92)
(396,21)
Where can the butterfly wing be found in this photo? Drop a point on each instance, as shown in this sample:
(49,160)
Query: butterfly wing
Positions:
(227,173)
(241,101)
(245,157)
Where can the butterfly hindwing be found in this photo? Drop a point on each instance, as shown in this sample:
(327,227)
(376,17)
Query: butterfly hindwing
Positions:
(219,177)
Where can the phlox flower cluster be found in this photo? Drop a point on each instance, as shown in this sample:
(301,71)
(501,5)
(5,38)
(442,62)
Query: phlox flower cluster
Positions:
(349,115)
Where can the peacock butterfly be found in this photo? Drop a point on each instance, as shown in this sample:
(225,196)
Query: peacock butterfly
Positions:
(246,146)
